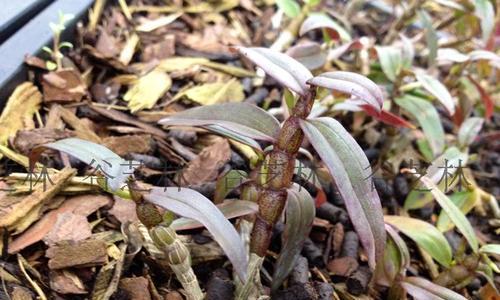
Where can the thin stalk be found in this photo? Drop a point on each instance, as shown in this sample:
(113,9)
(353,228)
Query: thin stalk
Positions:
(398,25)
(176,254)
(280,163)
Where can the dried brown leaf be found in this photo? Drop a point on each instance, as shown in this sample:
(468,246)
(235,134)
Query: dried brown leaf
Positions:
(205,167)
(19,110)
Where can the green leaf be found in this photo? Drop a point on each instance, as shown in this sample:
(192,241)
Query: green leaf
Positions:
(391,60)
(455,215)
(290,7)
(51,66)
(428,118)
(485,12)
(191,204)
(469,130)
(228,182)
(115,169)
(351,172)
(464,200)
(300,212)
(425,235)
(441,172)
(421,289)
(430,36)
(490,249)
(65,45)
(438,90)
(47,49)
(242,118)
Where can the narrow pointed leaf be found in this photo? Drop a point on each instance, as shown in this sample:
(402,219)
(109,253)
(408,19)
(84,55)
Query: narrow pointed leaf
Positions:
(310,54)
(430,36)
(290,7)
(300,212)
(351,172)
(455,215)
(489,105)
(229,208)
(490,249)
(441,172)
(436,290)
(281,67)
(320,20)
(391,61)
(351,83)
(486,14)
(438,90)
(403,249)
(464,200)
(469,130)
(428,118)
(425,235)
(115,169)
(191,204)
(245,119)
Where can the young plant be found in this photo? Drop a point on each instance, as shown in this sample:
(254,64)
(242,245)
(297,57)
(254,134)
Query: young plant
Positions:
(115,175)
(341,154)
(57,45)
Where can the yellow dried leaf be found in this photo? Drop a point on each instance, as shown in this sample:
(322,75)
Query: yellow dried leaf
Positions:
(218,92)
(172,64)
(14,210)
(147,90)
(151,25)
(19,110)
(129,49)
(180,63)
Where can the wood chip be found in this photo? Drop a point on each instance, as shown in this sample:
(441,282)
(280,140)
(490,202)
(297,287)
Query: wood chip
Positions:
(124,210)
(86,253)
(125,144)
(137,288)
(82,205)
(13,209)
(63,86)
(205,167)
(68,227)
(26,140)
(66,282)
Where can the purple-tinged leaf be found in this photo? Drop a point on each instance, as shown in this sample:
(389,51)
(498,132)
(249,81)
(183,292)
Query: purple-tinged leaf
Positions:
(229,208)
(351,172)
(354,84)
(240,118)
(469,130)
(489,105)
(114,169)
(421,288)
(310,54)
(425,235)
(388,269)
(438,90)
(191,204)
(451,55)
(320,20)
(300,212)
(289,72)
(428,118)
(453,212)
(335,53)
